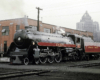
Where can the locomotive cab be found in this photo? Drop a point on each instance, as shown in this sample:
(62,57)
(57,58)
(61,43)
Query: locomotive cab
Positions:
(78,40)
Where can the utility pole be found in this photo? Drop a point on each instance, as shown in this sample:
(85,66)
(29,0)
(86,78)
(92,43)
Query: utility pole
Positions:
(38,18)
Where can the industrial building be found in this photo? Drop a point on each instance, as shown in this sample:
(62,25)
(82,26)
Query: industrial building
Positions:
(9,27)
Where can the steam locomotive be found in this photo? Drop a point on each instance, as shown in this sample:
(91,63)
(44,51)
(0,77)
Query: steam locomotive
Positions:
(36,47)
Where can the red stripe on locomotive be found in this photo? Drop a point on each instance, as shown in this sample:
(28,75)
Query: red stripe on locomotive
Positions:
(92,47)
(55,44)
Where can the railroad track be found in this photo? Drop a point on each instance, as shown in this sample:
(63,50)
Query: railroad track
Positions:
(86,65)
(21,73)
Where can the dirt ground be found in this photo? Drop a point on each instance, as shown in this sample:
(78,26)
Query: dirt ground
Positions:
(59,75)
(61,71)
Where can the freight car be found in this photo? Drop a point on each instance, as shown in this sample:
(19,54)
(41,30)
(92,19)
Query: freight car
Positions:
(36,47)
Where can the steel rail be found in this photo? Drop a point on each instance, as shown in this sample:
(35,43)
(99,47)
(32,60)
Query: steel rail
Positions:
(86,65)
(21,73)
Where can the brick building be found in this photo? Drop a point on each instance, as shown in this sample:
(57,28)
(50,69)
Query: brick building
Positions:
(9,27)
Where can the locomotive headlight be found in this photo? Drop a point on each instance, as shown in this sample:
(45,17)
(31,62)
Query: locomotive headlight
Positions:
(19,39)
(33,43)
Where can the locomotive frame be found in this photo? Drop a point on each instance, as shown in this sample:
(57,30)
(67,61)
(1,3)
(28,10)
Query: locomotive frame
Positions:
(39,47)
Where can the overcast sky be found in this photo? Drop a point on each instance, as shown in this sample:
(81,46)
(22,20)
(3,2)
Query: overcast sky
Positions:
(65,13)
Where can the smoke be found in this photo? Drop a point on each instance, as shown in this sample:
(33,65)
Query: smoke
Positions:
(60,30)
(12,8)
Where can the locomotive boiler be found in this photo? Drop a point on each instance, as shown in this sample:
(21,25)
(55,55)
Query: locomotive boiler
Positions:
(36,47)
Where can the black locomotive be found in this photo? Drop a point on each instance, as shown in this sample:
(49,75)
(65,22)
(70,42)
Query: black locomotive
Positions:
(36,47)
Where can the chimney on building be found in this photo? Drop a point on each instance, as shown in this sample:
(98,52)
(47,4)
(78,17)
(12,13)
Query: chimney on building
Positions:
(26,21)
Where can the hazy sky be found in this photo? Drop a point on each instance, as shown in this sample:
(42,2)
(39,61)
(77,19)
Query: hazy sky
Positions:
(65,13)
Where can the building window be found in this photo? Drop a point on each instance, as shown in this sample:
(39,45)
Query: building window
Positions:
(17,27)
(41,25)
(5,46)
(46,30)
(28,27)
(5,30)
(56,31)
(31,27)
(84,35)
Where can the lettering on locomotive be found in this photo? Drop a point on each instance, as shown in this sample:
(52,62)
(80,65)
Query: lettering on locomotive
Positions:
(96,47)
(90,47)
(60,45)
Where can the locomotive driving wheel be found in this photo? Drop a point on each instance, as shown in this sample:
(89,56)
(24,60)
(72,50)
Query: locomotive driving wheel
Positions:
(36,60)
(43,60)
(58,57)
(25,61)
(50,59)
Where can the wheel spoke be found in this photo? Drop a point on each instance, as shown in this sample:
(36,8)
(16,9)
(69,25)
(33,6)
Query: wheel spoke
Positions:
(51,59)
(36,61)
(58,57)
(26,61)
(43,60)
